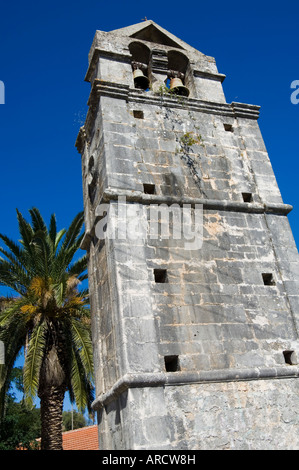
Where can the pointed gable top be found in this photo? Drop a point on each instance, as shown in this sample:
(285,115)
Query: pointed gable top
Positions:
(150,31)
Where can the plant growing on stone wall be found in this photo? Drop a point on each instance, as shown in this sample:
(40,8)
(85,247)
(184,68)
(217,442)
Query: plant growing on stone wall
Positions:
(189,139)
(163,90)
(185,143)
(186,140)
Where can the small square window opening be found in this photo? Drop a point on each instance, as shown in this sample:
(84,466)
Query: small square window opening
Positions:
(149,188)
(160,276)
(228,127)
(247,197)
(172,363)
(268,279)
(290,357)
(138,114)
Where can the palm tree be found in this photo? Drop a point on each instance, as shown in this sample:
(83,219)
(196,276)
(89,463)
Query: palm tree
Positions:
(49,317)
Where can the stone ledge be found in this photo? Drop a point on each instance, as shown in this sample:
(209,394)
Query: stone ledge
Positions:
(103,88)
(124,92)
(139,197)
(233,110)
(161,379)
(249,111)
(121,91)
(219,77)
(111,194)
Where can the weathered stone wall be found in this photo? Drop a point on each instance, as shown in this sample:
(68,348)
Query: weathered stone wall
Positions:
(182,151)
(214,311)
(244,415)
(251,415)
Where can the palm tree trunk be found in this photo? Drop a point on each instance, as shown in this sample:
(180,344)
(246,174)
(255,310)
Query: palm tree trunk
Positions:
(52,388)
(51,418)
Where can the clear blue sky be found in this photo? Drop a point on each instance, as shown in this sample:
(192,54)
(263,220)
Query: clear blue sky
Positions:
(43,61)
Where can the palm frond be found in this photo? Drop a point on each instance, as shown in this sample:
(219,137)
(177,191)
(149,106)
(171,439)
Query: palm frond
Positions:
(83,277)
(79,266)
(83,343)
(16,250)
(43,251)
(53,229)
(13,276)
(16,265)
(58,239)
(73,231)
(34,359)
(81,389)
(65,256)
(38,223)
(59,289)
(12,333)
(9,312)
(26,232)
(11,257)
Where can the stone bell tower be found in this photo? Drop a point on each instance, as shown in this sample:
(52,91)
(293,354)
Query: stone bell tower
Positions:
(195,339)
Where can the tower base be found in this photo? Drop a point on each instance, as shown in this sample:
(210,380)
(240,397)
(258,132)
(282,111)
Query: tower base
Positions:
(259,413)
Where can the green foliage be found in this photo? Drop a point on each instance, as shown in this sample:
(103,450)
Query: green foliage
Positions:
(21,425)
(163,90)
(189,139)
(48,316)
(73,420)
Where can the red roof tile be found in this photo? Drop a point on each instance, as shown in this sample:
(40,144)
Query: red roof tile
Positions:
(81,439)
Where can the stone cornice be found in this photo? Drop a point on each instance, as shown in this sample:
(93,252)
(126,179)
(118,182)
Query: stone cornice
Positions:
(219,77)
(115,90)
(102,88)
(249,111)
(121,91)
(111,195)
(186,378)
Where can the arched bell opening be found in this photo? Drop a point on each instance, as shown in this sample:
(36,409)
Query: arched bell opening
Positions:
(178,65)
(140,60)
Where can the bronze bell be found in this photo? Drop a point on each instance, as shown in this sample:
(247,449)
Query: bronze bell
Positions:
(140,80)
(177,87)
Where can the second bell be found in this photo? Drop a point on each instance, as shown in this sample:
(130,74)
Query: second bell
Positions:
(140,80)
